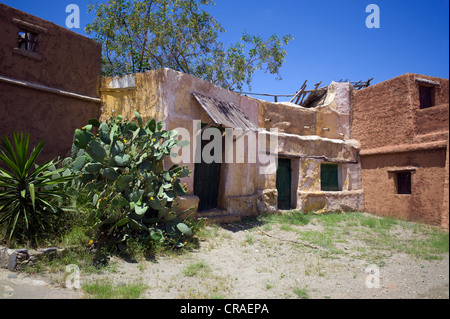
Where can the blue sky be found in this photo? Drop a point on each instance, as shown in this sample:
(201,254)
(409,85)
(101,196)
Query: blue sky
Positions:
(331,40)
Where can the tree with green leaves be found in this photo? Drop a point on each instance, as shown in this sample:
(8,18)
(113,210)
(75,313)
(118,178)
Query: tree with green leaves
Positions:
(142,35)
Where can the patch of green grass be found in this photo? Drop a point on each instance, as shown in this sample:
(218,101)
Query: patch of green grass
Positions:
(381,236)
(387,222)
(86,260)
(269,286)
(287,218)
(439,242)
(210,231)
(287,228)
(358,235)
(107,290)
(76,237)
(364,236)
(369,222)
(196,269)
(249,240)
(352,223)
(334,219)
(432,247)
(319,238)
(302,293)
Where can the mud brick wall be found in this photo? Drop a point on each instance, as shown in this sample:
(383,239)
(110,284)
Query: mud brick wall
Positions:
(64,60)
(396,134)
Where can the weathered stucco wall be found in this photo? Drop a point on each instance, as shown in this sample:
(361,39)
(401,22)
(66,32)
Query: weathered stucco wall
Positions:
(395,133)
(333,150)
(167,95)
(64,61)
(123,95)
(320,135)
(311,198)
(331,120)
(238,182)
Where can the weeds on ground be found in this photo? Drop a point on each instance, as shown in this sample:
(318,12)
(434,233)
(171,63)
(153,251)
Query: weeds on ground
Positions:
(361,235)
(107,290)
(196,269)
(212,286)
(79,249)
(285,219)
(302,293)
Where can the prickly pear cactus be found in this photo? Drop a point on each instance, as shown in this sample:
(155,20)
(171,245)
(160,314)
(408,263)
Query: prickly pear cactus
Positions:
(120,165)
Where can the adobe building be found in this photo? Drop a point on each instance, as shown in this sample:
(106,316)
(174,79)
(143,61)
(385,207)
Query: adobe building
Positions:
(318,161)
(403,125)
(49,80)
(390,139)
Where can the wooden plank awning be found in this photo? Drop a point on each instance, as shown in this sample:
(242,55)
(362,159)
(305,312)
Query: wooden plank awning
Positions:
(225,114)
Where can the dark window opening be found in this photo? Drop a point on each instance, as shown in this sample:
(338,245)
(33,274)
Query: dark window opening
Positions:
(27,41)
(329,177)
(404,183)
(426,96)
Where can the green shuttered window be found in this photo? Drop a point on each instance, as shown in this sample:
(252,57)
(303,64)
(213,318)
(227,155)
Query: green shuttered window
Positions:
(329,175)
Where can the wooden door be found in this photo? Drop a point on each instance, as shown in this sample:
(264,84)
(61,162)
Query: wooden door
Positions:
(284,178)
(206,182)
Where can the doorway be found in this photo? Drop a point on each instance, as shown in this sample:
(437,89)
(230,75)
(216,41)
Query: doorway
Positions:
(206,182)
(284,181)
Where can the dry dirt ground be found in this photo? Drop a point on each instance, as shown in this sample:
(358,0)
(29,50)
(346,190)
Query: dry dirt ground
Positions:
(256,261)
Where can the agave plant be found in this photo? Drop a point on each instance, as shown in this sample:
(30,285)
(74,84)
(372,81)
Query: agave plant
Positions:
(28,190)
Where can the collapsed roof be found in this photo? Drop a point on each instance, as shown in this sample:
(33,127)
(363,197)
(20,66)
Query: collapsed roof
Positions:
(317,96)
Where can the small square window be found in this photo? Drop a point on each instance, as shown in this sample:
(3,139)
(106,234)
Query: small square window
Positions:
(27,41)
(426,96)
(404,183)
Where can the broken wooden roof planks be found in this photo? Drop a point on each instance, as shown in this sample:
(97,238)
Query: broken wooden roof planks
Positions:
(225,114)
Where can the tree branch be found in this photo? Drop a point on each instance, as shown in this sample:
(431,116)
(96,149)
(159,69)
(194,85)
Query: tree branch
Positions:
(146,36)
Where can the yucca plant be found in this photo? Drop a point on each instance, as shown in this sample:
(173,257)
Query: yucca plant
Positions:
(27,190)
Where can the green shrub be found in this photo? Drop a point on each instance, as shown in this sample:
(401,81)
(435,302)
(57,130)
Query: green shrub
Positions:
(27,190)
(123,184)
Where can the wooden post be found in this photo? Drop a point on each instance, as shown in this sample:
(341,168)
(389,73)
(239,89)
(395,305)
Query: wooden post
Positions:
(296,96)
